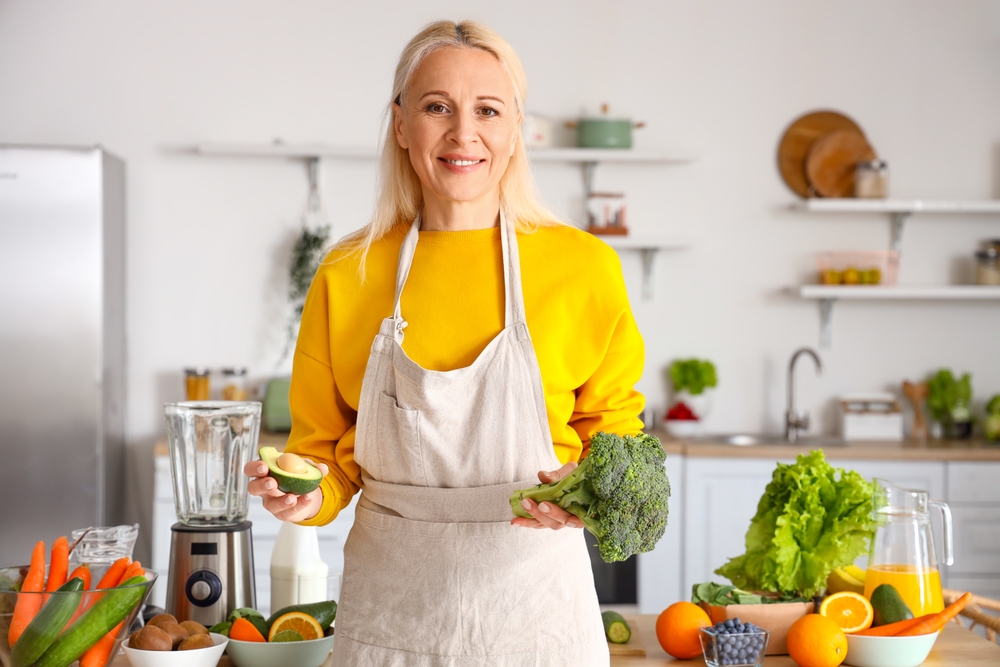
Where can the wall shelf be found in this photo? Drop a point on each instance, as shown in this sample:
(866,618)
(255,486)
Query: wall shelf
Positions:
(827,295)
(900,209)
(649,246)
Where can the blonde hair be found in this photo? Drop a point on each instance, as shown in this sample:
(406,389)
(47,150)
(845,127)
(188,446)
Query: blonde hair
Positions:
(400,197)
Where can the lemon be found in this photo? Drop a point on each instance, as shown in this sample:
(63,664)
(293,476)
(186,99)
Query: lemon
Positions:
(842,579)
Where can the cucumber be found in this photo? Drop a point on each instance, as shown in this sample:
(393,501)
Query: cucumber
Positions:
(615,627)
(113,607)
(47,625)
(323,612)
(888,606)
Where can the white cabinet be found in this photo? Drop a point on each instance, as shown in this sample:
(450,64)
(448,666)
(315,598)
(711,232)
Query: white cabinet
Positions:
(265,530)
(659,581)
(974,496)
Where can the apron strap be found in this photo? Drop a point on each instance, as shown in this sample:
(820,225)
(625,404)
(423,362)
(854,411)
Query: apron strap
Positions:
(513,294)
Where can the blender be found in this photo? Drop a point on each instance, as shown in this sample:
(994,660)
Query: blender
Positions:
(211,546)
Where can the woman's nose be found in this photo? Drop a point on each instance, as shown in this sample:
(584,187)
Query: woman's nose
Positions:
(463,131)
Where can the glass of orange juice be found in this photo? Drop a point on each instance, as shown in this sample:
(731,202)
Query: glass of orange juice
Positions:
(902,551)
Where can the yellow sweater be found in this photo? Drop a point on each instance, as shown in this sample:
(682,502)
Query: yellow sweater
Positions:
(589,349)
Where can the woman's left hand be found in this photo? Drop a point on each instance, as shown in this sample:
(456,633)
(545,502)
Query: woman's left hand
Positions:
(547,515)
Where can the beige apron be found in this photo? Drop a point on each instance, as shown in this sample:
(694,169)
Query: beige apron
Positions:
(434,574)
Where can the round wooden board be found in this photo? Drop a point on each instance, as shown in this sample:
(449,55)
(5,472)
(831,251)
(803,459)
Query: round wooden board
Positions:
(799,137)
(832,159)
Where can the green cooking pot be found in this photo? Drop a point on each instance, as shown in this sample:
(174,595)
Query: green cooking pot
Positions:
(604,132)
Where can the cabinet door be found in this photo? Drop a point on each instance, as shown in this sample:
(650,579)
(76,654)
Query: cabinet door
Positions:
(659,571)
(720,498)
(977,540)
(974,482)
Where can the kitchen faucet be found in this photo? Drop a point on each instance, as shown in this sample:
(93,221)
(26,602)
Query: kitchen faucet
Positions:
(793,422)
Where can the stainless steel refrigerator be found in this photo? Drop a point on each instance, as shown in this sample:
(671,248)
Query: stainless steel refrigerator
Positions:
(62,343)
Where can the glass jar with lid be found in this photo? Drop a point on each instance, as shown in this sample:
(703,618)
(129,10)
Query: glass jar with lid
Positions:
(196,383)
(988,266)
(234,384)
(871,179)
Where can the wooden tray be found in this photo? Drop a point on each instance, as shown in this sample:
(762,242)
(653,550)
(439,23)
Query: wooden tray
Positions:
(633,647)
(832,159)
(798,139)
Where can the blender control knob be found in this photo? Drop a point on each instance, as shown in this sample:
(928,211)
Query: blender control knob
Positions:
(204,588)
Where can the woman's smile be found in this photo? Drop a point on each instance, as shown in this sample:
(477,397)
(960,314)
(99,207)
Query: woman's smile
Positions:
(461,164)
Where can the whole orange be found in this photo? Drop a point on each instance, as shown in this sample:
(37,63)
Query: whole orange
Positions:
(677,629)
(816,641)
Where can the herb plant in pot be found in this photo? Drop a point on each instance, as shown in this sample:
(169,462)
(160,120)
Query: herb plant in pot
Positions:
(949,401)
(692,381)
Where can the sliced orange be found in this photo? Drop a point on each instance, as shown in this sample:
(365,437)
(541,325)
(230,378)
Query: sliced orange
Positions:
(851,611)
(300,622)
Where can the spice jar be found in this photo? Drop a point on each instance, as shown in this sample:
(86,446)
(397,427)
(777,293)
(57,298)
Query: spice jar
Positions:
(988,266)
(234,384)
(196,383)
(871,179)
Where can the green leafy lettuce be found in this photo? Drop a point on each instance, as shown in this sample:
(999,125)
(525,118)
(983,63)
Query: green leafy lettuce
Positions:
(812,519)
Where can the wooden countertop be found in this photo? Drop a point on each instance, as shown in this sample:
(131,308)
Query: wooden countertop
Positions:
(955,647)
(931,450)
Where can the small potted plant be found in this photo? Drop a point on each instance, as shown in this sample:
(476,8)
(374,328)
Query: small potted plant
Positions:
(949,401)
(991,425)
(692,380)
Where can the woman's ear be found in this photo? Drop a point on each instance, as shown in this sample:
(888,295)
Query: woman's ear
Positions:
(397,126)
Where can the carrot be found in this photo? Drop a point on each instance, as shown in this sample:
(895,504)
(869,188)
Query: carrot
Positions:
(114,574)
(27,606)
(938,620)
(81,572)
(58,565)
(244,631)
(99,654)
(891,629)
(134,569)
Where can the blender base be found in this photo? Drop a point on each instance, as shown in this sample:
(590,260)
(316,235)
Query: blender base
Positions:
(211,572)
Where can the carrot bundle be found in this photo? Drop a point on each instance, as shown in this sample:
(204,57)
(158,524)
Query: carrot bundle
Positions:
(938,620)
(99,654)
(27,606)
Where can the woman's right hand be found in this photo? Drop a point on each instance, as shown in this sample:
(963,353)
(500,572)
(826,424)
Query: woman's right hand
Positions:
(284,506)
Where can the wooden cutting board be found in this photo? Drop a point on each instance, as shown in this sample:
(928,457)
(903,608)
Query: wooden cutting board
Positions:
(633,647)
(832,159)
(798,139)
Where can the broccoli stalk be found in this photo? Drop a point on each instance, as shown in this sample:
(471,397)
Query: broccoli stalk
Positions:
(619,492)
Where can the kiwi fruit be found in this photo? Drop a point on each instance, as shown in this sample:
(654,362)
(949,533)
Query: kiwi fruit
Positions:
(151,638)
(176,632)
(162,618)
(194,628)
(131,637)
(196,641)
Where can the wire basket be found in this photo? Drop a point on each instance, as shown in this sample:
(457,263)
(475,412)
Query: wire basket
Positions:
(858,268)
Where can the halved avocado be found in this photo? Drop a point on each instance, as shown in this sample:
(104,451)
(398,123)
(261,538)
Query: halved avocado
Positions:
(298,483)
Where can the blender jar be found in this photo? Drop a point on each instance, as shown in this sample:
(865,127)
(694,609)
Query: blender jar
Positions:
(210,442)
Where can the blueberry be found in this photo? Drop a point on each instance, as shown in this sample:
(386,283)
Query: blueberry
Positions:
(730,623)
(720,626)
(737,620)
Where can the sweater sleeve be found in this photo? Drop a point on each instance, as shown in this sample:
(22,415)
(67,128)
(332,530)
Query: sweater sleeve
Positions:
(607,401)
(323,424)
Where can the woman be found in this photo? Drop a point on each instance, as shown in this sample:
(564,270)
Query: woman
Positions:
(416,380)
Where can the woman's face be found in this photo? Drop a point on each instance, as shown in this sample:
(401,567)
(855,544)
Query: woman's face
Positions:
(459,123)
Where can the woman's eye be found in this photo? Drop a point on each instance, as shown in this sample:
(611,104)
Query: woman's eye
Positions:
(489,111)
(435,107)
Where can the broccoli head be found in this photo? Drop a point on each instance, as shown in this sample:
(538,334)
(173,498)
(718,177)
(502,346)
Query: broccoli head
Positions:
(619,491)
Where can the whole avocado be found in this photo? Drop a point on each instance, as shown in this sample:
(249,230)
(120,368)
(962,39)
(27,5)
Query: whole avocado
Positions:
(888,606)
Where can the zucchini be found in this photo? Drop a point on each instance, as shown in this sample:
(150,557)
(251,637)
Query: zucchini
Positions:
(323,612)
(47,625)
(616,628)
(113,607)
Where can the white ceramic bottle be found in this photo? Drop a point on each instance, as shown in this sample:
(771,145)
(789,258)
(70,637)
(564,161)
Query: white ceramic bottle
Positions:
(298,574)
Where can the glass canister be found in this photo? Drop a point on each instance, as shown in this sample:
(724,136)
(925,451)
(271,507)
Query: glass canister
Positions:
(196,383)
(871,179)
(988,266)
(234,384)
(210,442)
(902,552)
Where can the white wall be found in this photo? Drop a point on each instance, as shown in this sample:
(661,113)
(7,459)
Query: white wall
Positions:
(208,237)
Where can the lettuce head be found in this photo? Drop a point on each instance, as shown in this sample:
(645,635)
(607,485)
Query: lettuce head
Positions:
(812,519)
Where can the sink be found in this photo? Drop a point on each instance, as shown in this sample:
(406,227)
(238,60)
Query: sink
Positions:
(752,439)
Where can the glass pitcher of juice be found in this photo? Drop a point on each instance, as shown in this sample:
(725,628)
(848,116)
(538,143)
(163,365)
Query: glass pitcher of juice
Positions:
(902,552)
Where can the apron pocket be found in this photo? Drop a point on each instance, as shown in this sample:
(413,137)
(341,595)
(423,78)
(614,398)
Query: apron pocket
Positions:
(397,442)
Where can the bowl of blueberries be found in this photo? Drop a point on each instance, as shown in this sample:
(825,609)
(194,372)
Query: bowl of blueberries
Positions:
(732,642)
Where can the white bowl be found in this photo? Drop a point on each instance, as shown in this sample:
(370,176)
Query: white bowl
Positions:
(199,657)
(312,653)
(682,428)
(863,651)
